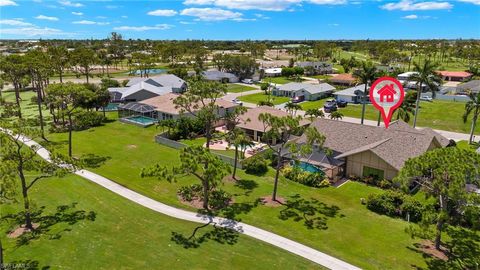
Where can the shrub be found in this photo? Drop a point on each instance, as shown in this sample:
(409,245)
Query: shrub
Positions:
(219,199)
(87,119)
(188,193)
(385,184)
(413,208)
(305,178)
(325,183)
(255,165)
(395,204)
(264,86)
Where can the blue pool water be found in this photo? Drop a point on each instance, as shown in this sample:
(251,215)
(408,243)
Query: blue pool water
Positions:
(308,167)
(142,120)
(112,107)
(150,71)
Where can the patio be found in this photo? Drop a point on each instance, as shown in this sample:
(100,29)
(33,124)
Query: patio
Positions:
(223,145)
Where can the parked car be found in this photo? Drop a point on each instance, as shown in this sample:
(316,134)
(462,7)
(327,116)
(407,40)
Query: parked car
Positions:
(342,104)
(426,98)
(298,99)
(247,81)
(236,101)
(329,107)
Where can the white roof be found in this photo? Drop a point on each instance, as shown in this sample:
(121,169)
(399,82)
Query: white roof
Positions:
(141,86)
(311,88)
(169,80)
(407,74)
(273,70)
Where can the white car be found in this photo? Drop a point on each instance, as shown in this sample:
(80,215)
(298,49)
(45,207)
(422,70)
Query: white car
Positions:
(247,81)
(236,101)
(426,98)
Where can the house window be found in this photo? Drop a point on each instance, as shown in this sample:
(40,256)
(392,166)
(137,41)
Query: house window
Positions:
(372,172)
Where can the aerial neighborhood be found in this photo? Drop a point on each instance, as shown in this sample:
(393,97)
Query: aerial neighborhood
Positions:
(133,151)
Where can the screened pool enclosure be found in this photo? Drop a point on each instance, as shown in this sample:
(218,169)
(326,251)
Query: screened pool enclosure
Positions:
(138,114)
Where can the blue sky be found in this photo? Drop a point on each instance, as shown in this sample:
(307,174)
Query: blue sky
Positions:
(241,19)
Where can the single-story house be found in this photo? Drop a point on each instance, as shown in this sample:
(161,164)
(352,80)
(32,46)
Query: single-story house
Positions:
(273,72)
(404,79)
(456,76)
(318,67)
(343,79)
(308,91)
(138,89)
(163,108)
(255,128)
(220,76)
(473,86)
(351,95)
(369,151)
(406,75)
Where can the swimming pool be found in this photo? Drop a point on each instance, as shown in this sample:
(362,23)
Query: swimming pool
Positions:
(139,120)
(308,167)
(112,107)
(150,71)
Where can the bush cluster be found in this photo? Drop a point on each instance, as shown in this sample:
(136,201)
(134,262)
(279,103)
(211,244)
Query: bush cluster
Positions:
(255,165)
(395,204)
(306,178)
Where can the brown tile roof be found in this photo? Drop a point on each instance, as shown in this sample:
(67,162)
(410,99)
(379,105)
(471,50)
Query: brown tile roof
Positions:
(343,78)
(460,74)
(164,103)
(249,120)
(394,145)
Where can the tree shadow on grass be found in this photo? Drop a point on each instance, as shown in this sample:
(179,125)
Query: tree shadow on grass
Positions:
(247,185)
(223,231)
(24,265)
(462,251)
(313,212)
(93,161)
(65,214)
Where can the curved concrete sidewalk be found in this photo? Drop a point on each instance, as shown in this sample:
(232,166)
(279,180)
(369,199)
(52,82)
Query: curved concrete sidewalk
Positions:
(268,237)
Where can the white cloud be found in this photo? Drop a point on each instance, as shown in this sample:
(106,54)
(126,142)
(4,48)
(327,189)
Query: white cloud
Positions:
(16,22)
(143,28)
(269,5)
(48,18)
(86,22)
(184,22)
(7,3)
(31,31)
(212,14)
(77,13)
(69,3)
(475,2)
(408,5)
(163,12)
(333,24)
(124,16)
(410,17)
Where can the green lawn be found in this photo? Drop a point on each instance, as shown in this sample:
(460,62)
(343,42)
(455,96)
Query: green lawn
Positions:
(125,235)
(278,80)
(255,98)
(354,234)
(238,88)
(439,114)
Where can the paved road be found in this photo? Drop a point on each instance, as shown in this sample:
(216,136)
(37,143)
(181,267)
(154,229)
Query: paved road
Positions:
(268,237)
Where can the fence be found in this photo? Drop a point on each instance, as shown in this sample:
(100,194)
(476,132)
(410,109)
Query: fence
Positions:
(161,139)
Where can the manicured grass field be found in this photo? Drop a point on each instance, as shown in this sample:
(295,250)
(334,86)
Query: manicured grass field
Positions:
(278,80)
(125,235)
(238,88)
(255,98)
(351,232)
(439,114)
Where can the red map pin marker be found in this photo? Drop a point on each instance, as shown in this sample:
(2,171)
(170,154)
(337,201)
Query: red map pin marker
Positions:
(386,94)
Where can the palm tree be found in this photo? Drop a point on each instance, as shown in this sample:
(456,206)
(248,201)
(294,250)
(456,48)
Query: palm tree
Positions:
(314,113)
(336,115)
(366,75)
(425,76)
(292,107)
(239,139)
(407,108)
(472,106)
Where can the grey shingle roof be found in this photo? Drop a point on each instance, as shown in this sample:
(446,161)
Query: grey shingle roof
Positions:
(474,86)
(351,91)
(166,80)
(394,145)
(216,75)
(311,88)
